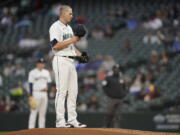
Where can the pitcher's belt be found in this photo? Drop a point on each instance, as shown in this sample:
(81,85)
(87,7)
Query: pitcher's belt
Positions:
(71,57)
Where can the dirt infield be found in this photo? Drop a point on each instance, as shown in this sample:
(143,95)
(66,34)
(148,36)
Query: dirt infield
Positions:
(84,131)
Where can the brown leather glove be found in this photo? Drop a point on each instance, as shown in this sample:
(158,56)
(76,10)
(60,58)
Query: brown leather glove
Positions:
(32,102)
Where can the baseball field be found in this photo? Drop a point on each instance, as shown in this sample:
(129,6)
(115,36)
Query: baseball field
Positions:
(104,67)
(84,131)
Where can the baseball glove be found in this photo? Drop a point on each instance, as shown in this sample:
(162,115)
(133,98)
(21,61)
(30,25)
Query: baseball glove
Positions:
(32,102)
(84,58)
(79,30)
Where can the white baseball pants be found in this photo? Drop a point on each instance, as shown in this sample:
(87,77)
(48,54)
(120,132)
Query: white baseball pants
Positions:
(42,102)
(67,86)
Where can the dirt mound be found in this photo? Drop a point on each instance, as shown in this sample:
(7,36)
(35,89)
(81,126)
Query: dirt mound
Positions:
(83,131)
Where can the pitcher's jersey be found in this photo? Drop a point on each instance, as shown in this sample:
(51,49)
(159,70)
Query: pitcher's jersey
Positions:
(39,78)
(62,32)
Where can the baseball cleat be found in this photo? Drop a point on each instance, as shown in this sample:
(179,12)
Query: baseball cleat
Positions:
(65,126)
(78,125)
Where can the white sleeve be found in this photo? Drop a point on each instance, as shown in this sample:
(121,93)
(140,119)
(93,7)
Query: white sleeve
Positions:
(49,78)
(55,33)
(31,77)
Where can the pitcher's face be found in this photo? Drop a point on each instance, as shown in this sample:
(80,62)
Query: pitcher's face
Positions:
(68,15)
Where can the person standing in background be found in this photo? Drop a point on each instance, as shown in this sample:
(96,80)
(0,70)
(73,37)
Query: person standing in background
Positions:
(39,81)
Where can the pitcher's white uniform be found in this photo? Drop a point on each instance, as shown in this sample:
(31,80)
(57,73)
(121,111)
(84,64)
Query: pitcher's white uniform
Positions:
(65,74)
(40,80)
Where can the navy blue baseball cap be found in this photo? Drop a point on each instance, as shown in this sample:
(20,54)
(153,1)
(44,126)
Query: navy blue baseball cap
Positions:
(41,60)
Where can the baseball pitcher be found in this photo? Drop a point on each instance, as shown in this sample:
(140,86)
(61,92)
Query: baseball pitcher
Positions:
(62,41)
(39,80)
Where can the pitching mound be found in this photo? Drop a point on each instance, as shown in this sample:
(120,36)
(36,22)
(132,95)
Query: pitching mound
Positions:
(83,131)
